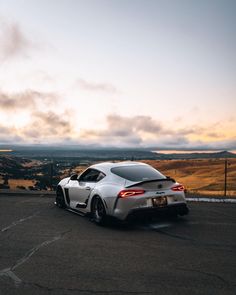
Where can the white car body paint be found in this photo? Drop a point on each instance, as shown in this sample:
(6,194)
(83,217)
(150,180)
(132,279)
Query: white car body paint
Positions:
(77,192)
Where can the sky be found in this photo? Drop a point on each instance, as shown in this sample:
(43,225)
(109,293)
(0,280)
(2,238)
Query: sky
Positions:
(120,73)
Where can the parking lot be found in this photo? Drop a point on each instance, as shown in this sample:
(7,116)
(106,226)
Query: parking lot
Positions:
(47,250)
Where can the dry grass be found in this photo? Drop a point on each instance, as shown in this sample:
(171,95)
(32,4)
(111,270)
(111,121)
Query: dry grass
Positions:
(31,164)
(13,183)
(205,176)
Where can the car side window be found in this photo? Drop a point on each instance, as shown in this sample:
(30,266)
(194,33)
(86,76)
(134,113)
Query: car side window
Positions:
(100,176)
(91,175)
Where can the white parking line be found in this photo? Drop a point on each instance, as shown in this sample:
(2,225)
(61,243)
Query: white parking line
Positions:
(156,226)
(159,225)
(19,221)
(8,272)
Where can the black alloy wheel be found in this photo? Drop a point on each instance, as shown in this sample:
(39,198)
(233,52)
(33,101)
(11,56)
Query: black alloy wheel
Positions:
(98,211)
(60,201)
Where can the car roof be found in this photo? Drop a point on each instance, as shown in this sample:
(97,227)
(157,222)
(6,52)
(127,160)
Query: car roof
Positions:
(107,166)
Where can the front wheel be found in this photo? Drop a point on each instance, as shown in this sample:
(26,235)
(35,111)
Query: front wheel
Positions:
(98,211)
(60,201)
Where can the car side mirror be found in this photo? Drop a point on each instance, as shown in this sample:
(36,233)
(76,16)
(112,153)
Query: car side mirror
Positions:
(74,177)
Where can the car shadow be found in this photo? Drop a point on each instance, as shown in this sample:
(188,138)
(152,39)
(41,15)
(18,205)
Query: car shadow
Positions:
(148,223)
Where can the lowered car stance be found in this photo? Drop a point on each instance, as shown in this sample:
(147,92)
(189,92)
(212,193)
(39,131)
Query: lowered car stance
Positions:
(121,190)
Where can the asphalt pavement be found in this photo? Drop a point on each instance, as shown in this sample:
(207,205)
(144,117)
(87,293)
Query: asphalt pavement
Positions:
(47,250)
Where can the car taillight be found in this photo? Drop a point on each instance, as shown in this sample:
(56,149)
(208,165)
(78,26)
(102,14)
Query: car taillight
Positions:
(178,188)
(130,193)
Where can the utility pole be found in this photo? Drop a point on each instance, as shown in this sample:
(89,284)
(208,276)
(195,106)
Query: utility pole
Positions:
(51,174)
(225,189)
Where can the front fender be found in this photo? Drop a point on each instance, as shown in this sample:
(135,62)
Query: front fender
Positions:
(64,181)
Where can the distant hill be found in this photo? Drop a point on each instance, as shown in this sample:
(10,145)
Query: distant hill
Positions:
(86,154)
(106,154)
(9,163)
(199,155)
(199,172)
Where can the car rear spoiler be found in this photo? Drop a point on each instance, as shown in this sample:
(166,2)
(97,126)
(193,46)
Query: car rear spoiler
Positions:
(152,180)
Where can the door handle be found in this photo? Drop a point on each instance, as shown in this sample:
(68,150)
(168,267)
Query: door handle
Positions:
(88,188)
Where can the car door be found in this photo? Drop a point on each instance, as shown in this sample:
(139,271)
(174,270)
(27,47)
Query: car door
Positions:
(80,189)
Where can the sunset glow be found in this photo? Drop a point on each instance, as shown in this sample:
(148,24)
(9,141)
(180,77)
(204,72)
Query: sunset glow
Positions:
(118,73)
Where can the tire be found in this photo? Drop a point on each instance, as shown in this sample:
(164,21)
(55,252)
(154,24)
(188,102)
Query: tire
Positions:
(60,201)
(98,211)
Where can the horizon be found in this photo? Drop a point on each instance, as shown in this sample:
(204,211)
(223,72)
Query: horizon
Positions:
(13,148)
(111,73)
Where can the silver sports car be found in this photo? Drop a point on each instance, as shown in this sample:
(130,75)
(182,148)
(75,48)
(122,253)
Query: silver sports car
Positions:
(121,190)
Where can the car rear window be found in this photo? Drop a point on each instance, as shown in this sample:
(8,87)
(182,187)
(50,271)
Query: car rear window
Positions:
(137,173)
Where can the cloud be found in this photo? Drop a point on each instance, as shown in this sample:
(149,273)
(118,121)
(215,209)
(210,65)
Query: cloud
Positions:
(214,135)
(92,86)
(48,125)
(44,127)
(16,101)
(9,135)
(127,125)
(144,131)
(228,144)
(124,131)
(28,99)
(174,141)
(13,41)
(183,143)
(42,123)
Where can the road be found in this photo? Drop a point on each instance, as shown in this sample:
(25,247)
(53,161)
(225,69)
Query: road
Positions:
(47,250)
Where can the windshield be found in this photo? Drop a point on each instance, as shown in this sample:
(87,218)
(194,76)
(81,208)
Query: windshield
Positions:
(137,173)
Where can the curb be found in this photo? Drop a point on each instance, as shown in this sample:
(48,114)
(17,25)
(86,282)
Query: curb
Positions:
(211,200)
(22,193)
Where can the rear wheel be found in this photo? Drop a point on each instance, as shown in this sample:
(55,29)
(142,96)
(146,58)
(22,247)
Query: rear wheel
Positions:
(60,201)
(98,211)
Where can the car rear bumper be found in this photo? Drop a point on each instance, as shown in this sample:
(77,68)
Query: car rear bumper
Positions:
(176,209)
